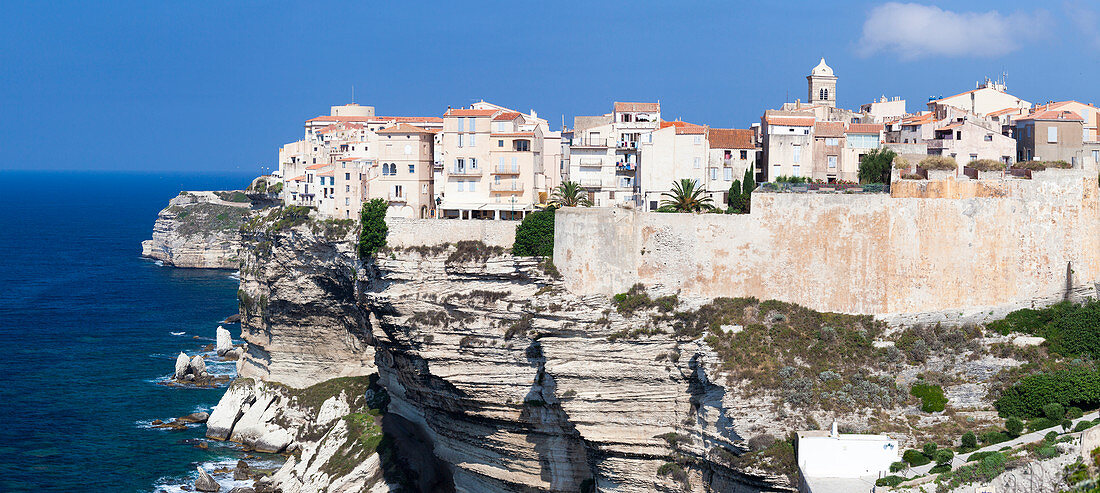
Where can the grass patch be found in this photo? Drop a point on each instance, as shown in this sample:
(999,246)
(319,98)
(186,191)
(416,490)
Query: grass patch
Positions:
(473,251)
(931,397)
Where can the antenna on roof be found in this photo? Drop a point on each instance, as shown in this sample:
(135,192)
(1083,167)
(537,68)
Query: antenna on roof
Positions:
(353,93)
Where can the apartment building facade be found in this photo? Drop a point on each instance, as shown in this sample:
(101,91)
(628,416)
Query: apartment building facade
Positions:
(674,152)
(787,143)
(604,156)
(495,163)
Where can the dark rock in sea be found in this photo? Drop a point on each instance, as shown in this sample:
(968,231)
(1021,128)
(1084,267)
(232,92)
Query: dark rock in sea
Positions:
(195,417)
(156,422)
(242,489)
(242,472)
(203,446)
(205,482)
(232,319)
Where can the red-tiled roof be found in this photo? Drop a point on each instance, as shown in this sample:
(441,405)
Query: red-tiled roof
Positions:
(951,126)
(1054,115)
(467,112)
(864,128)
(829,129)
(1002,111)
(299,178)
(730,138)
(411,119)
(514,134)
(404,128)
(918,119)
(328,173)
(791,121)
(508,116)
(631,107)
(377,119)
(690,129)
(319,166)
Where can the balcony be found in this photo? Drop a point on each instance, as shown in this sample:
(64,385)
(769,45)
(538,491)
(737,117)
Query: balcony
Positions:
(465,172)
(397,197)
(512,186)
(620,166)
(506,170)
(627,144)
(594,142)
(939,143)
(591,182)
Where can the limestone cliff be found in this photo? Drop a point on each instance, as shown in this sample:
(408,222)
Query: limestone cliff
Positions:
(199,230)
(497,378)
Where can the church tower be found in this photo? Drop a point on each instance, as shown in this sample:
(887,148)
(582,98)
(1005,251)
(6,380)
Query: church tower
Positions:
(822,85)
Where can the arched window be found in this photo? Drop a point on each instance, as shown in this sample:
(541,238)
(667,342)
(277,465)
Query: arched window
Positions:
(824,94)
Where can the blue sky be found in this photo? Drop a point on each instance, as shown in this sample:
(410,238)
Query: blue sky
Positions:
(195,86)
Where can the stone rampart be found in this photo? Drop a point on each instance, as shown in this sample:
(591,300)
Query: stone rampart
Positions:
(928,247)
(431,232)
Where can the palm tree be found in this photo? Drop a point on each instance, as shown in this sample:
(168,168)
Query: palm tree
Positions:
(570,194)
(684,197)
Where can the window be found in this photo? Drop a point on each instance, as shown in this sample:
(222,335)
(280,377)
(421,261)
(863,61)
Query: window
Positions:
(989,137)
(1096,156)
(1052,134)
(460,139)
(728,154)
(500,143)
(796,172)
(347,201)
(695,163)
(728,174)
(412,168)
(408,149)
(473,185)
(973,157)
(522,145)
(1073,161)
(515,164)
(460,165)
(652,205)
(347,176)
(744,154)
(832,162)
(698,139)
(832,141)
(473,163)
(797,154)
(347,188)
(461,124)
(714,174)
(398,191)
(823,94)
(424,188)
(472,140)
(461,185)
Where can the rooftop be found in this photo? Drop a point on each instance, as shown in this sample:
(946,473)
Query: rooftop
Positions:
(730,138)
(630,107)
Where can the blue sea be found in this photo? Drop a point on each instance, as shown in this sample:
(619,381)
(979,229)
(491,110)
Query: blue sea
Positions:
(88,329)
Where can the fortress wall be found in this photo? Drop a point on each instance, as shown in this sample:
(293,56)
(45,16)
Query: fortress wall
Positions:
(927,247)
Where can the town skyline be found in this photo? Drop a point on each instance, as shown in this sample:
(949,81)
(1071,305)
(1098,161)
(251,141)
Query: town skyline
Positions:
(170,69)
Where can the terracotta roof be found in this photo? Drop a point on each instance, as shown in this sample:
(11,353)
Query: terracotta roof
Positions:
(1002,111)
(514,134)
(299,178)
(348,159)
(918,119)
(466,112)
(951,126)
(629,107)
(792,121)
(829,129)
(730,138)
(864,128)
(319,166)
(328,173)
(955,96)
(1054,115)
(404,128)
(509,116)
(411,119)
(330,118)
(690,129)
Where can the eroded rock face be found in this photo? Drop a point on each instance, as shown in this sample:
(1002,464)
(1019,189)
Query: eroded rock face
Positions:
(504,380)
(198,230)
(298,310)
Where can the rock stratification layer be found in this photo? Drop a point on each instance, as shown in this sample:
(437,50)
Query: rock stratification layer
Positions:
(497,379)
(199,230)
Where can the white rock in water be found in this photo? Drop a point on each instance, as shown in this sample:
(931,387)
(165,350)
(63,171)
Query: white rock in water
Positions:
(225,341)
(198,365)
(181,366)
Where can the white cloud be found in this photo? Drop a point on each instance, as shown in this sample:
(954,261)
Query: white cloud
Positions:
(912,31)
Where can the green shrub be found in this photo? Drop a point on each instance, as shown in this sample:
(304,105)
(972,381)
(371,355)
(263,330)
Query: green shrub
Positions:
(944,456)
(915,458)
(929,449)
(939,469)
(874,167)
(1046,452)
(673,470)
(889,481)
(1072,329)
(1040,424)
(994,437)
(969,440)
(535,235)
(1054,411)
(1014,426)
(986,165)
(899,466)
(942,163)
(1067,424)
(931,397)
(1051,437)
(631,301)
(1078,387)
(1082,426)
(1042,165)
(1074,412)
(372,236)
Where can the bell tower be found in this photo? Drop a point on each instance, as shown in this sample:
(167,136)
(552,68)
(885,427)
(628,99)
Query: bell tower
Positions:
(822,84)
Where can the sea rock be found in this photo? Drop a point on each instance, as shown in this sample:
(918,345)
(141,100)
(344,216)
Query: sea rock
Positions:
(233,354)
(232,319)
(224,341)
(205,482)
(242,489)
(242,472)
(181,366)
(199,417)
(198,365)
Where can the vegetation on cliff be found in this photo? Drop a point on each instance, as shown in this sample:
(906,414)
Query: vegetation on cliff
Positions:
(372,235)
(535,235)
(205,217)
(875,166)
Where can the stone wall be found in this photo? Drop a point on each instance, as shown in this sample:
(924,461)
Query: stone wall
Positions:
(431,232)
(927,247)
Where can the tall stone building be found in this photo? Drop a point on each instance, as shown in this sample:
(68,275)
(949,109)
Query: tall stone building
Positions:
(822,84)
